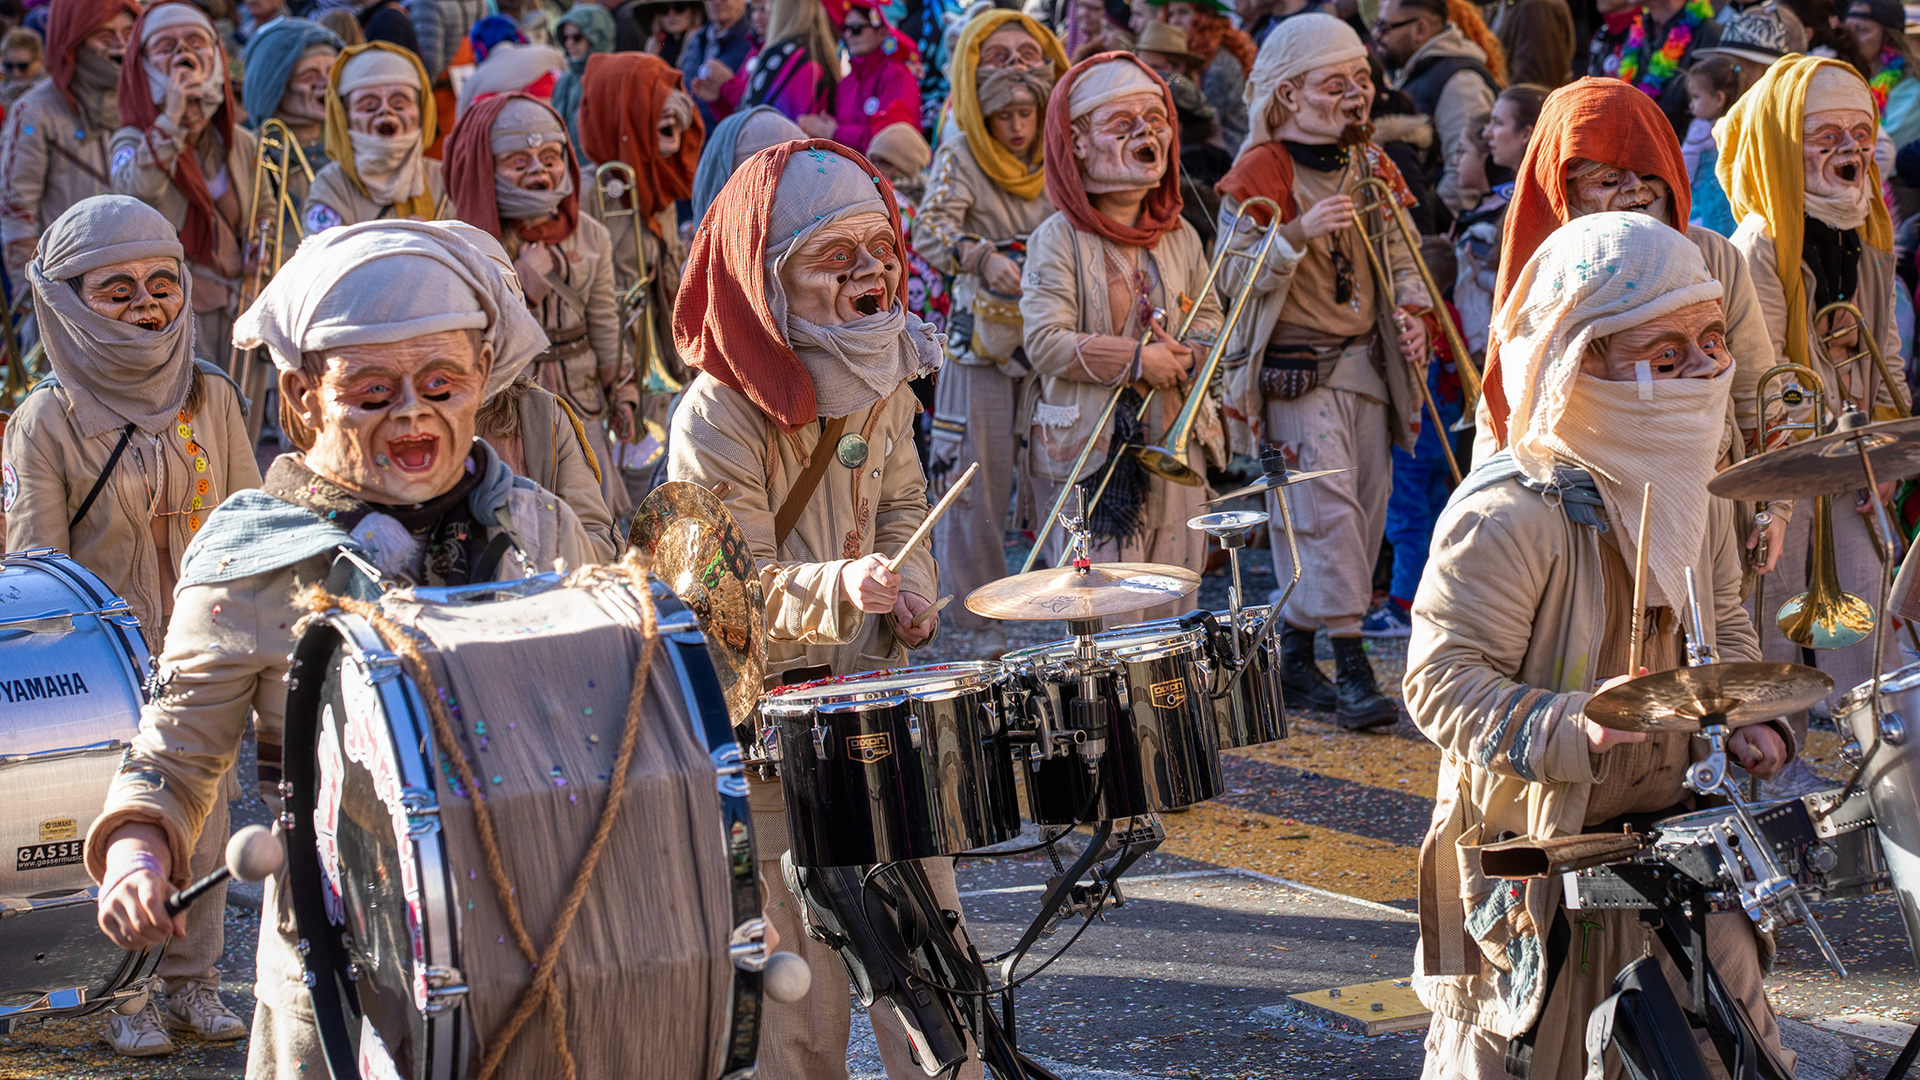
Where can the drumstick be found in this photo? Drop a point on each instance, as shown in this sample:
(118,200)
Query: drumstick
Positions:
(1639,584)
(919,534)
(932,610)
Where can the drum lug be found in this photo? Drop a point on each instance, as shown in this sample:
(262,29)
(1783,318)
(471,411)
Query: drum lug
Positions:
(1893,729)
(1850,752)
(422,810)
(820,743)
(747,947)
(913,731)
(303,946)
(445,988)
(288,820)
(770,744)
(380,666)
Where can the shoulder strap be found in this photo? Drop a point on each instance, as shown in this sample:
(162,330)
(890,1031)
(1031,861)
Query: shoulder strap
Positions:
(788,515)
(126,436)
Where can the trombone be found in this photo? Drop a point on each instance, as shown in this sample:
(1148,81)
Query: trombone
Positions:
(1169,458)
(612,181)
(1901,405)
(279,152)
(1383,202)
(1825,616)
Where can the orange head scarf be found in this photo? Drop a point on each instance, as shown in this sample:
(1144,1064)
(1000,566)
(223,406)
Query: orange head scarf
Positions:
(69,25)
(1598,119)
(469,171)
(622,95)
(137,109)
(723,323)
(1160,215)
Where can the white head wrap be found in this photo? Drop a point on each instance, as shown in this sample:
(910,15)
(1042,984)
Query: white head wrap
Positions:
(170,16)
(1110,81)
(1595,277)
(1301,44)
(1834,88)
(375,67)
(380,282)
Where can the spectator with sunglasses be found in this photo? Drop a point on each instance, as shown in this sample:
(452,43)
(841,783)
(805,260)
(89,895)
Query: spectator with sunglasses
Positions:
(881,89)
(20,62)
(667,26)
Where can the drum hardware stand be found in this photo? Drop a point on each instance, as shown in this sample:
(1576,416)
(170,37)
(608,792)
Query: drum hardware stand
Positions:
(1231,527)
(1887,727)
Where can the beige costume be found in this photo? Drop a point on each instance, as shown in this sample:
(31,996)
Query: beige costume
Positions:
(979,391)
(334,199)
(542,440)
(50,158)
(1079,283)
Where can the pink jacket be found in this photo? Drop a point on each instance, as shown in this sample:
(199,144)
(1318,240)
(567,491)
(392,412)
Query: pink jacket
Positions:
(881,91)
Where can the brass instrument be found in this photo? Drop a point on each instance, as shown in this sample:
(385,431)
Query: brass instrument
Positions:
(1170,461)
(1825,616)
(612,181)
(1383,202)
(267,216)
(1895,388)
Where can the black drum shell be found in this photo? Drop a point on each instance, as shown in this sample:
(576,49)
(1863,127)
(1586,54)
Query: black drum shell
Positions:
(1251,709)
(1162,753)
(911,763)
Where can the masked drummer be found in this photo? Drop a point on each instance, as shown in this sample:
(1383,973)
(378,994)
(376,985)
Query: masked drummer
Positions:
(380,118)
(53,149)
(1617,370)
(118,460)
(1331,344)
(511,172)
(801,421)
(1798,167)
(386,336)
(1116,251)
(180,151)
(987,194)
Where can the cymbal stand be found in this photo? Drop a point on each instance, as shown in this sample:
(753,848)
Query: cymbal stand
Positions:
(1231,528)
(1852,419)
(1768,895)
(1275,464)
(1086,717)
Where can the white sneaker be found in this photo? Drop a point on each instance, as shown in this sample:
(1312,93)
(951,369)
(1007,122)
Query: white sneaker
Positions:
(139,1035)
(197,1007)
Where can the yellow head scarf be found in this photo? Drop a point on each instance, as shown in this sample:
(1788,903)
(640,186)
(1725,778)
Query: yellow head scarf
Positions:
(1760,168)
(994,159)
(340,144)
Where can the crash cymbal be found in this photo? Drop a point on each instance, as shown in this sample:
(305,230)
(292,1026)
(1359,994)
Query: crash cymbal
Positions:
(698,550)
(1827,465)
(1064,592)
(1743,692)
(1273,482)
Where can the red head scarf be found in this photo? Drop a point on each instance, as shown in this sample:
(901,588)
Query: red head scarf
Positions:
(469,171)
(1160,215)
(1598,119)
(137,109)
(722,322)
(621,98)
(69,24)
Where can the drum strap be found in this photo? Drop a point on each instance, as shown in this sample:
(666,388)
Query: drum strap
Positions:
(86,504)
(788,515)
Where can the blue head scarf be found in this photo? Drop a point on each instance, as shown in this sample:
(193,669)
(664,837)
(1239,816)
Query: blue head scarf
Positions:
(270,56)
(491,31)
(596,23)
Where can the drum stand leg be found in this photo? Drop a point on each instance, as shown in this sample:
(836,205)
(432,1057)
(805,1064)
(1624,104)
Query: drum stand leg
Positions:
(1905,1061)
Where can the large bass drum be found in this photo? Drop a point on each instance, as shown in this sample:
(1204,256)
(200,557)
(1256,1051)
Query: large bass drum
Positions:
(72,671)
(409,952)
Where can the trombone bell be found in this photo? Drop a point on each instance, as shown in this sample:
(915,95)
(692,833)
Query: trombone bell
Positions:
(1825,617)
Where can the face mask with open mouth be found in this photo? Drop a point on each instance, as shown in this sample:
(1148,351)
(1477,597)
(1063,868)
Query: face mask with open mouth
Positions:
(1836,147)
(1124,145)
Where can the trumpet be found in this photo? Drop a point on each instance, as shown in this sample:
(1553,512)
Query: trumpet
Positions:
(279,153)
(1169,459)
(1895,390)
(1381,201)
(612,181)
(1825,616)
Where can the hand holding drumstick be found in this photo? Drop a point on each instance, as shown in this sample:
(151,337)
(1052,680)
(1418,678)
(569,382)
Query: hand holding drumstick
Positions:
(873,582)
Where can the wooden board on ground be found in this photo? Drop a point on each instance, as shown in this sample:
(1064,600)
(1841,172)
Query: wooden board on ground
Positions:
(1374,1008)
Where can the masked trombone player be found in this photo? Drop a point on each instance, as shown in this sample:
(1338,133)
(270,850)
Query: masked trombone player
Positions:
(1618,375)
(1329,343)
(1116,252)
(380,118)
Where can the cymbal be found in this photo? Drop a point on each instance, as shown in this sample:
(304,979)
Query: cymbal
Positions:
(1744,692)
(1273,482)
(1827,465)
(698,550)
(1063,592)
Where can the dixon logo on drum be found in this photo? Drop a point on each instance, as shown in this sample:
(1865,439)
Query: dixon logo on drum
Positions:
(1168,695)
(43,686)
(868,749)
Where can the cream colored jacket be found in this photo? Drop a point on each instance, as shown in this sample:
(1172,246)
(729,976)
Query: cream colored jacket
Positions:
(53,464)
(723,442)
(335,200)
(549,447)
(962,203)
(1507,629)
(49,160)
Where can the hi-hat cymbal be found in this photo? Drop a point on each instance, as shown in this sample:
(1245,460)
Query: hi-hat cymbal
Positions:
(1274,482)
(1827,465)
(1063,592)
(699,551)
(1743,692)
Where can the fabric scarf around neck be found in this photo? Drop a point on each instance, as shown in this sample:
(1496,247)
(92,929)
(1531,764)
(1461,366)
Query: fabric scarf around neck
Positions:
(199,234)
(391,170)
(1159,215)
(1595,119)
(343,143)
(116,373)
(1760,168)
(1019,178)
(69,24)
(470,178)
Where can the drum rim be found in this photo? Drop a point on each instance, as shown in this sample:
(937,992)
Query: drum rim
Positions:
(802,698)
(1172,643)
(93,589)
(1897,681)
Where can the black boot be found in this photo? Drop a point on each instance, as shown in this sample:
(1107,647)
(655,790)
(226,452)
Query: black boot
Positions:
(1362,706)
(1305,685)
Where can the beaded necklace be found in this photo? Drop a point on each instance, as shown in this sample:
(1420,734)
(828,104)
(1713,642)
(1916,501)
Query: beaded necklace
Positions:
(1893,68)
(1650,70)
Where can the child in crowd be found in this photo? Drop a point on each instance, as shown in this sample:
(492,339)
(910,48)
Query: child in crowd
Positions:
(1713,85)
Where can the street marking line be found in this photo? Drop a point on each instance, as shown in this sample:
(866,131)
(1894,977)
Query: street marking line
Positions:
(1224,871)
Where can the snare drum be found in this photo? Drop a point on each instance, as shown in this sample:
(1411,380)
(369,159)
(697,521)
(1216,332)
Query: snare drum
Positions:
(1251,709)
(407,949)
(1892,779)
(72,666)
(893,765)
(1162,744)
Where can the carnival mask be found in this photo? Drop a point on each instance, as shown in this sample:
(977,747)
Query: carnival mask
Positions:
(305,101)
(1690,343)
(110,42)
(535,168)
(389,110)
(844,270)
(144,292)
(1836,146)
(1010,46)
(1318,108)
(393,423)
(1124,145)
(1595,187)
